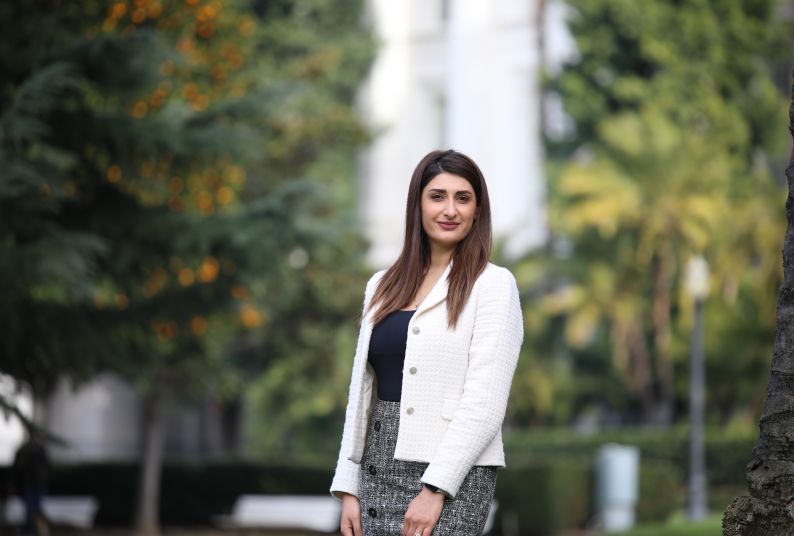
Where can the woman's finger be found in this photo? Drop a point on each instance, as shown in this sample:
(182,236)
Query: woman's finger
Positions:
(345,528)
(412,528)
(416,529)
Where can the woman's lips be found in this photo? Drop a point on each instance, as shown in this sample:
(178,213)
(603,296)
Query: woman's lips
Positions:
(449,226)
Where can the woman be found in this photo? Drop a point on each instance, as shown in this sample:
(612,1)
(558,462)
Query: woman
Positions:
(437,349)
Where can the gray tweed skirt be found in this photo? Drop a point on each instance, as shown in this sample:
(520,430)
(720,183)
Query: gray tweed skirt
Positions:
(387,486)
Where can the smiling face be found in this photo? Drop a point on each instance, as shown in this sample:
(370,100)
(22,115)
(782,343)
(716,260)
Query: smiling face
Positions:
(449,208)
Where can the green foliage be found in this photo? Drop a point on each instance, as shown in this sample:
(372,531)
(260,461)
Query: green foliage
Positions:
(178,203)
(558,498)
(314,56)
(177,206)
(84,234)
(660,491)
(674,153)
(662,485)
(705,62)
(727,453)
(562,493)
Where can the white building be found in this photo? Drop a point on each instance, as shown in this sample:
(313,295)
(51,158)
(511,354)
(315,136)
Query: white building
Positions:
(461,74)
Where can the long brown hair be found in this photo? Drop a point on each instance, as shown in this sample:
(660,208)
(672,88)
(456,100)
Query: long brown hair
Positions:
(401,282)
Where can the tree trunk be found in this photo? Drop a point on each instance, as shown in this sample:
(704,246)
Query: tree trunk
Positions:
(769,507)
(662,337)
(148,521)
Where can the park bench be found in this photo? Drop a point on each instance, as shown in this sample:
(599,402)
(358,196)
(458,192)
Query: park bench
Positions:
(317,513)
(68,511)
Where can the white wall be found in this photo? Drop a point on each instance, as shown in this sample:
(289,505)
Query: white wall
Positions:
(12,433)
(100,419)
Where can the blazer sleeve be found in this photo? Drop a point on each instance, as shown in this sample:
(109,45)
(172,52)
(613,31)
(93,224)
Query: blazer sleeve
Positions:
(346,474)
(493,355)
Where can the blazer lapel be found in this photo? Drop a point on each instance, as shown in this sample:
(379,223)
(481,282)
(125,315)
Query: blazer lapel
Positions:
(437,294)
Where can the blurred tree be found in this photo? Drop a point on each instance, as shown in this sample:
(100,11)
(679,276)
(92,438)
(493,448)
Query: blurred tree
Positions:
(767,508)
(176,172)
(676,110)
(320,52)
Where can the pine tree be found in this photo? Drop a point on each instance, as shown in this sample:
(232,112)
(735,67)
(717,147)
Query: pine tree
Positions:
(163,159)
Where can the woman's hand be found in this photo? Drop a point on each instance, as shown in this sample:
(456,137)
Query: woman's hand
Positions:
(423,513)
(350,524)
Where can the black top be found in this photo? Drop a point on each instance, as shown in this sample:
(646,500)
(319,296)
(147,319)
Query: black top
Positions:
(387,353)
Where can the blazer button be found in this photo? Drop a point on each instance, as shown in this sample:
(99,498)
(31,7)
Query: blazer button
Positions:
(377,426)
(410,411)
(416,330)
(373,512)
(372,470)
(412,370)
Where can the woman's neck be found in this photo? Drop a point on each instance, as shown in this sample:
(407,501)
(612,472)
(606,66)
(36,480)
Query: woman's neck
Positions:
(440,257)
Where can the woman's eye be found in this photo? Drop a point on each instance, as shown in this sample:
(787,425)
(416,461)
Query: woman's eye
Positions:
(464,198)
(436,197)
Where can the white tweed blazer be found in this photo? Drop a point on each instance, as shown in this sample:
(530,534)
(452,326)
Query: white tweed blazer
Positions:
(455,384)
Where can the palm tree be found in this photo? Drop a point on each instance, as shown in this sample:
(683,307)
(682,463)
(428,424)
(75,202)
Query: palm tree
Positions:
(768,509)
(647,198)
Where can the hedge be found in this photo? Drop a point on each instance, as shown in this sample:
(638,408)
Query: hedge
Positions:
(726,454)
(543,498)
(547,486)
(191,494)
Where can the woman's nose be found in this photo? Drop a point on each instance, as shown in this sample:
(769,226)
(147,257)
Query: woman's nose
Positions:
(449,209)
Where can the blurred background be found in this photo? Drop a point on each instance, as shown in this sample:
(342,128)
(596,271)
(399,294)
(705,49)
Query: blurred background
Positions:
(194,192)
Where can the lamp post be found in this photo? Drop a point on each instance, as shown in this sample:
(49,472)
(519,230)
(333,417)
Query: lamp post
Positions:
(697,286)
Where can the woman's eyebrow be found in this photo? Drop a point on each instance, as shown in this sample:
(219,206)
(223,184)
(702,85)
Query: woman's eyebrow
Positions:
(442,191)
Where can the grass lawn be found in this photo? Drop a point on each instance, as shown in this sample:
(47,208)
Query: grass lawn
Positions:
(680,527)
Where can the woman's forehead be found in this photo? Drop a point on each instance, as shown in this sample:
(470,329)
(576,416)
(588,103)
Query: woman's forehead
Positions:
(449,182)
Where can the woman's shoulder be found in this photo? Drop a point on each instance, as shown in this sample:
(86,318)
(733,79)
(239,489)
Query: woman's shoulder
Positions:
(372,284)
(496,275)
(496,285)
(375,278)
